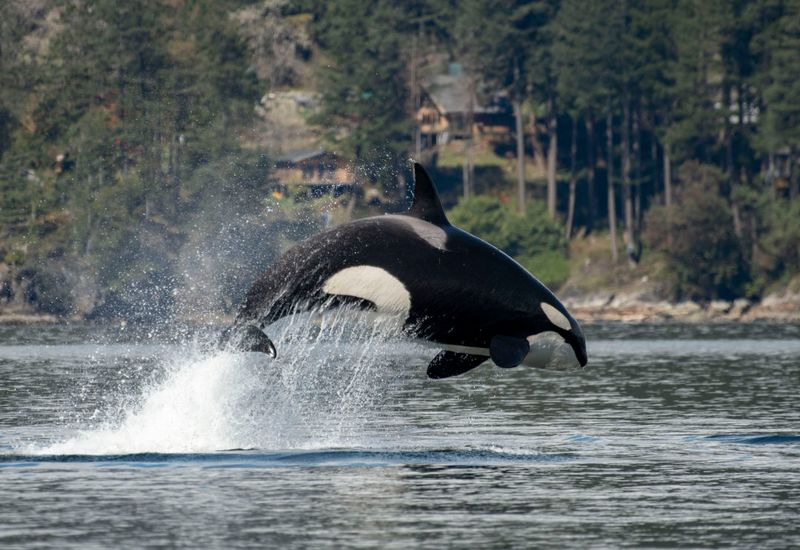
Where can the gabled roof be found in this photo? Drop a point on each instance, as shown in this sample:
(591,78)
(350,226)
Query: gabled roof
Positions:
(450,93)
(299,155)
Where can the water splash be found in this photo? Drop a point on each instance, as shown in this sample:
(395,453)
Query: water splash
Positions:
(330,379)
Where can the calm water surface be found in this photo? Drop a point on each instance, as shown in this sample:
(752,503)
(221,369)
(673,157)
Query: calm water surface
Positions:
(673,436)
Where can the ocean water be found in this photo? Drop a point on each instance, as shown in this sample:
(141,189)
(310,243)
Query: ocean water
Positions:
(674,435)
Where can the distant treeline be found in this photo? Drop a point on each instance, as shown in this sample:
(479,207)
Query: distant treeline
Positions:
(121,132)
(127,128)
(678,120)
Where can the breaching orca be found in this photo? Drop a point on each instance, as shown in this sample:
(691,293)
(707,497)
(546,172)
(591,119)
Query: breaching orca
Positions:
(449,287)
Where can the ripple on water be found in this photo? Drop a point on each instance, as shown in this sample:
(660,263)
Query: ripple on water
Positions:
(673,436)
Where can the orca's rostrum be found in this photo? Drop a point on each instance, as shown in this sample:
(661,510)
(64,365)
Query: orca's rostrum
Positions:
(447,286)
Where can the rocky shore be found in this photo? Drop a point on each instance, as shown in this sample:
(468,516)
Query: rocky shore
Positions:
(637,307)
(624,307)
(63,296)
(28,319)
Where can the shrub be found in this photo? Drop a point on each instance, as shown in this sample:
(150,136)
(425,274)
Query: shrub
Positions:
(696,236)
(482,216)
(781,241)
(533,239)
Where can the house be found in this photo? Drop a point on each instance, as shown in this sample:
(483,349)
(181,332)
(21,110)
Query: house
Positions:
(319,170)
(449,101)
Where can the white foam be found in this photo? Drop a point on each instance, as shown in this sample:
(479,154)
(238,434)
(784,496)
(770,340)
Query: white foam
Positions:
(186,413)
(329,376)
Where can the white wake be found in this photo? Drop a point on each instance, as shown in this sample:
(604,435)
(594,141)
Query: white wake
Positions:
(330,378)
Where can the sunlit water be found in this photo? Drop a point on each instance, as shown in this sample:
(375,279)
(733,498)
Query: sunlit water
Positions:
(673,436)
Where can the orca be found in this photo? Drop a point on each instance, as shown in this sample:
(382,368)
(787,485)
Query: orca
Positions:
(448,287)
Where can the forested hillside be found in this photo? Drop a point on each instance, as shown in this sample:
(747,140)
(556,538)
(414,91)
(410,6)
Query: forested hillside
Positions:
(125,170)
(655,139)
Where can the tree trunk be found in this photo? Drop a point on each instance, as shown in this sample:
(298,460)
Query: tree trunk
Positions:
(465,173)
(520,155)
(552,157)
(794,181)
(771,170)
(590,171)
(637,178)
(740,105)
(656,175)
(402,186)
(178,160)
(538,152)
(668,191)
(121,107)
(612,207)
(743,169)
(573,153)
(468,162)
(737,221)
(415,102)
(667,176)
(728,137)
(351,204)
(630,247)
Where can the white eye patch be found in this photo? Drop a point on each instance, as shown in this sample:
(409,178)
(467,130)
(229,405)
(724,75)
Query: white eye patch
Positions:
(555,316)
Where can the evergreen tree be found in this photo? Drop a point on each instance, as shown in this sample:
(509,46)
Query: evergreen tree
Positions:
(778,47)
(589,74)
(655,51)
(696,120)
(502,42)
(363,88)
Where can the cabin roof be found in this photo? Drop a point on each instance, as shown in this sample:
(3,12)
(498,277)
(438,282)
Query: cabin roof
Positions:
(451,95)
(299,155)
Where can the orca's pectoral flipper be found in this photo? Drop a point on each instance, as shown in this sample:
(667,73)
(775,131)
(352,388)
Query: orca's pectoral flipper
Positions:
(254,339)
(450,363)
(249,338)
(508,351)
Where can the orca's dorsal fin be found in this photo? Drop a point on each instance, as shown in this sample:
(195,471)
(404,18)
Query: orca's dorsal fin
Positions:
(426,204)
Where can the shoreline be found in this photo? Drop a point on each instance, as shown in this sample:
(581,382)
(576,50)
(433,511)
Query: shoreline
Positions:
(586,309)
(632,309)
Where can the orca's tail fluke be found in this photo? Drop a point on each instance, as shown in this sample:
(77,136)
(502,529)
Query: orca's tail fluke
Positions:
(247,338)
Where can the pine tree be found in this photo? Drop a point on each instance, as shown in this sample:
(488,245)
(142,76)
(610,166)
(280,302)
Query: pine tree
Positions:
(778,47)
(589,74)
(655,54)
(698,27)
(503,45)
(14,80)
(364,90)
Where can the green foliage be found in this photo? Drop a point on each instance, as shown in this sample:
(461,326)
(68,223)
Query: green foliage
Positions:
(550,266)
(144,100)
(503,42)
(149,101)
(778,248)
(587,61)
(533,233)
(775,47)
(534,239)
(694,234)
(364,91)
(483,216)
